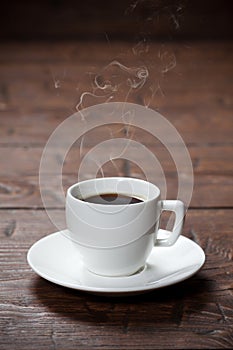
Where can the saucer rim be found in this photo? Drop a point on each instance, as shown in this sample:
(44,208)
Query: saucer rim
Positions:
(115,290)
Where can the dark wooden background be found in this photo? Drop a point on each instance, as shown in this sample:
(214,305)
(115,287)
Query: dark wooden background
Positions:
(49,53)
(122,19)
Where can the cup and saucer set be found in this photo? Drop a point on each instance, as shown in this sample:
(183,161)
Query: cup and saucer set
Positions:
(113,245)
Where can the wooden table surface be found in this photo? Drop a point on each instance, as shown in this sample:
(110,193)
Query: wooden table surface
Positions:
(190,83)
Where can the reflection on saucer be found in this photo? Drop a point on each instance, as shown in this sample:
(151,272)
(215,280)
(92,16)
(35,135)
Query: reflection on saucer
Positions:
(55,258)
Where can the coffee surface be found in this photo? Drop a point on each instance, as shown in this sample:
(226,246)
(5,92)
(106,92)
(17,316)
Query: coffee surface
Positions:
(112,198)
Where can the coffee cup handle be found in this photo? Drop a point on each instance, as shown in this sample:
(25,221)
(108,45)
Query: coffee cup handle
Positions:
(171,236)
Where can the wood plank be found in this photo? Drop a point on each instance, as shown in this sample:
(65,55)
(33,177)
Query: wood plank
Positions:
(193,111)
(73,50)
(212,225)
(209,190)
(192,123)
(105,64)
(56,76)
(197,312)
(31,86)
(206,160)
(19,183)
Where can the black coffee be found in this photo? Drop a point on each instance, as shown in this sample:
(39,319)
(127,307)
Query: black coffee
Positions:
(112,198)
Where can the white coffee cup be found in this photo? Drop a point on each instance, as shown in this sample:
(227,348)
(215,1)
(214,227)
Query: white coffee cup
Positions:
(116,239)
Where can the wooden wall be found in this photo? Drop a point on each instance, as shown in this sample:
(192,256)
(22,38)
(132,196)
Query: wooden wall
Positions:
(120,19)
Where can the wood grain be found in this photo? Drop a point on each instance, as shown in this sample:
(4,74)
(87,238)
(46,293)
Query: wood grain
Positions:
(19,182)
(118,20)
(40,85)
(34,128)
(198,309)
(209,190)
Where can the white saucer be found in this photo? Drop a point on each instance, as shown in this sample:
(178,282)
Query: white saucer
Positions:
(55,258)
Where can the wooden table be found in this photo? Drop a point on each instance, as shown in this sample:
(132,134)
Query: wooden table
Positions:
(41,83)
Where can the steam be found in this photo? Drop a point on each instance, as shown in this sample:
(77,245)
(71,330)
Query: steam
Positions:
(140,82)
(137,77)
(117,78)
(113,78)
(80,104)
(168,60)
(58,81)
(142,47)
(152,10)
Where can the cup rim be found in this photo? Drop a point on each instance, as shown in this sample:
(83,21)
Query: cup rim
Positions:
(116,178)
